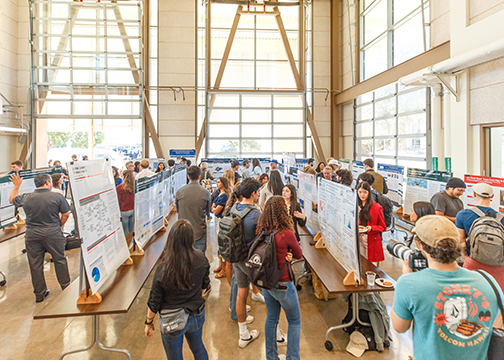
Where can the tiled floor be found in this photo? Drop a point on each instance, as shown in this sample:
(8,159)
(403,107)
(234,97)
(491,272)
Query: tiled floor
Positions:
(21,337)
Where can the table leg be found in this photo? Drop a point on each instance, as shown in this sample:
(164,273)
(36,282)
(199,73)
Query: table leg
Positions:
(96,339)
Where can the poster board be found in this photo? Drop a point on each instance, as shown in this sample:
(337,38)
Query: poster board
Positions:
(357,169)
(103,246)
(497,184)
(7,210)
(338,221)
(345,164)
(288,159)
(291,176)
(394,176)
(149,210)
(422,184)
(154,162)
(218,165)
(189,154)
(308,198)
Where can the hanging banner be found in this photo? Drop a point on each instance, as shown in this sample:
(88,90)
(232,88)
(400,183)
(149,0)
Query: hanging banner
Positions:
(394,176)
(338,223)
(357,169)
(422,184)
(308,198)
(189,154)
(103,246)
(497,184)
(7,210)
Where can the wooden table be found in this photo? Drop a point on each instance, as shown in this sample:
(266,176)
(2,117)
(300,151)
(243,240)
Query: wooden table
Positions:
(331,274)
(118,293)
(405,224)
(9,234)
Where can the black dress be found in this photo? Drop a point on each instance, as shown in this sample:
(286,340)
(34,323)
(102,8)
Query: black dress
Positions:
(298,221)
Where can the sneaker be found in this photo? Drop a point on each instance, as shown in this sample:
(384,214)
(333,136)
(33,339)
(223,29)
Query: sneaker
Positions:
(254,334)
(247,307)
(282,357)
(281,338)
(258,297)
(42,298)
(249,320)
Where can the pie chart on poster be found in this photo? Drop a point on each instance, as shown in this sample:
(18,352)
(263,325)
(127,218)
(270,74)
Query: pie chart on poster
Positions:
(95,274)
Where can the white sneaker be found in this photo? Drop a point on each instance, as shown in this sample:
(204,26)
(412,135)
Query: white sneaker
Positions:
(254,334)
(247,307)
(281,338)
(258,297)
(249,320)
(282,357)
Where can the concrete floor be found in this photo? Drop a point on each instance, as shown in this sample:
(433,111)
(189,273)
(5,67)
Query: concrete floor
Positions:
(21,337)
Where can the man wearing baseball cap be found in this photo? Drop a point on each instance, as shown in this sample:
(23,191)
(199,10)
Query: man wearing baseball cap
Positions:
(244,173)
(235,165)
(453,308)
(274,165)
(447,202)
(483,193)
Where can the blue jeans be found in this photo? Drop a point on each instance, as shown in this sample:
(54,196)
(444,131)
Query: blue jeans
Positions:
(128,221)
(201,244)
(288,301)
(173,343)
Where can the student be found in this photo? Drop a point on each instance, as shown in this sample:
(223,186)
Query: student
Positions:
(63,170)
(284,295)
(146,172)
(57,181)
(171,163)
(450,324)
(371,217)
(235,165)
(230,176)
(309,168)
(137,167)
(85,158)
(293,208)
(205,173)
(117,179)
(274,187)
(419,210)
(126,197)
(257,169)
(327,174)
(320,167)
(447,202)
(244,169)
(483,193)
(17,166)
(273,165)
(219,203)
(344,177)
(335,165)
(74,158)
(263,179)
(161,166)
(380,184)
(179,282)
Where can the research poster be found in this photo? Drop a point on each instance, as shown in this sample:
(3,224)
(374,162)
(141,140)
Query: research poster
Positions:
(497,184)
(217,166)
(422,184)
(338,223)
(7,210)
(345,164)
(357,169)
(308,198)
(394,176)
(168,196)
(103,246)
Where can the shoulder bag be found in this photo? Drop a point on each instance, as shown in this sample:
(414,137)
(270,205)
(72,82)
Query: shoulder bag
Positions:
(172,320)
(496,347)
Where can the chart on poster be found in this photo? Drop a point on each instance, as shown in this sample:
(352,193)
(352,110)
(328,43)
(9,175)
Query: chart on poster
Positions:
(103,246)
(338,223)
(308,198)
(422,184)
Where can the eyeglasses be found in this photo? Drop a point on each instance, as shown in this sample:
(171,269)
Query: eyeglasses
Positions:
(462,190)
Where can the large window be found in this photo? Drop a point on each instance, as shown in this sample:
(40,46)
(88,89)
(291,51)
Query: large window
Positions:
(392,31)
(254,103)
(391,126)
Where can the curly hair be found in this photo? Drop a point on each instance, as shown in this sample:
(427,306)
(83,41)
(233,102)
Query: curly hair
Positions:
(447,251)
(345,177)
(275,216)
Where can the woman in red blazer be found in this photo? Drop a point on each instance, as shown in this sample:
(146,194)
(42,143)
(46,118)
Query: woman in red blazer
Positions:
(371,217)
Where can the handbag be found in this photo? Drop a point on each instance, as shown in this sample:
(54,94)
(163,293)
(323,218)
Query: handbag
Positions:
(207,183)
(496,347)
(172,320)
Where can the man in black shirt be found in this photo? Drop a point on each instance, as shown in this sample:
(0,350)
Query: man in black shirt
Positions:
(46,214)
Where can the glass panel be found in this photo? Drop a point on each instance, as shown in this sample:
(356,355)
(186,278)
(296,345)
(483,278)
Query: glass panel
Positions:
(365,147)
(288,116)
(365,98)
(413,147)
(497,153)
(124,108)
(218,115)
(385,147)
(280,131)
(256,131)
(412,101)
(288,101)
(270,45)
(385,107)
(384,161)
(408,39)
(412,124)
(375,59)
(365,112)
(89,108)
(223,131)
(365,129)
(227,100)
(288,145)
(256,116)
(218,42)
(375,22)
(256,101)
(237,74)
(224,145)
(402,8)
(256,146)
(243,45)
(385,127)
(385,91)
(412,164)
(275,74)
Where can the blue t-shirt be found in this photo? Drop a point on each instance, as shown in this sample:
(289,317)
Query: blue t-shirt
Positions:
(453,313)
(249,223)
(466,217)
(257,170)
(220,200)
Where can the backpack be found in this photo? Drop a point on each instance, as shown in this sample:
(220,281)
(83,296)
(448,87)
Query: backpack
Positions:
(485,243)
(207,183)
(232,246)
(387,206)
(262,261)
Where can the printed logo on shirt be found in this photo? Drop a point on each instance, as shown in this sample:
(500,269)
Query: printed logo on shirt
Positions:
(462,315)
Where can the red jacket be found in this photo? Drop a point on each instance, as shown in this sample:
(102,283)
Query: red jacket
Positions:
(377,223)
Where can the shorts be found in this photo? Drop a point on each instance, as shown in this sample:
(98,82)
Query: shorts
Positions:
(241,274)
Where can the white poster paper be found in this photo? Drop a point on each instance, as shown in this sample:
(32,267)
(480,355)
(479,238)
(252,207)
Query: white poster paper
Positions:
(422,184)
(103,246)
(308,198)
(497,184)
(394,176)
(338,223)
(357,169)
(218,166)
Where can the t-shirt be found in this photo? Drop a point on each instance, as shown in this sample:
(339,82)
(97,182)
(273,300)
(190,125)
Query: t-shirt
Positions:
(126,199)
(194,204)
(257,170)
(466,217)
(446,204)
(220,200)
(249,223)
(42,209)
(244,173)
(453,313)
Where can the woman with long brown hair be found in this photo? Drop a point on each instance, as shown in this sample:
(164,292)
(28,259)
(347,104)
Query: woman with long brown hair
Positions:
(283,295)
(230,175)
(126,197)
(219,203)
(179,283)
(289,193)
(274,187)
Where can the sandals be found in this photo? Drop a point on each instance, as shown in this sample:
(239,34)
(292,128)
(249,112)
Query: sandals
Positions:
(220,275)
(218,270)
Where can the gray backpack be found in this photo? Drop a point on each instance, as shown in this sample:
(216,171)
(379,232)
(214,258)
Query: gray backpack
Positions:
(207,183)
(485,243)
(231,239)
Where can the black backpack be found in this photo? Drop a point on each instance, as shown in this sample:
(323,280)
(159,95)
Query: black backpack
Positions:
(262,261)
(232,246)
(387,206)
